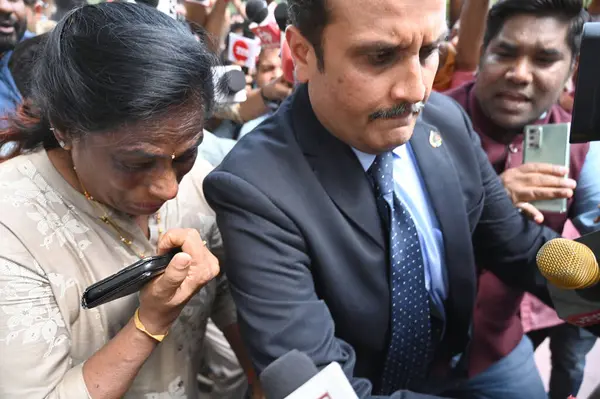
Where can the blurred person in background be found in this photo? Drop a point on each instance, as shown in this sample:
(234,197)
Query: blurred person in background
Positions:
(460,55)
(22,62)
(13,29)
(37,21)
(227,120)
(214,148)
(109,174)
(593,9)
(62,7)
(530,51)
(263,99)
(268,72)
(213,16)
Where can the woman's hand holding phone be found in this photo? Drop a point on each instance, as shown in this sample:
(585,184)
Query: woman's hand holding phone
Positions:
(163,298)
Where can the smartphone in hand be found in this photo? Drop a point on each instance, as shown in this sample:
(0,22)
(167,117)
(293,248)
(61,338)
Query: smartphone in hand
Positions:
(127,281)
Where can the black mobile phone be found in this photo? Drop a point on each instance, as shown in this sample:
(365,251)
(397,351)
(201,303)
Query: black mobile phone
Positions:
(585,125)
(127,281)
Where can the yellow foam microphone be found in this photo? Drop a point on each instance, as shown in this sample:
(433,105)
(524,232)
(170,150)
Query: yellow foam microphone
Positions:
(568,264)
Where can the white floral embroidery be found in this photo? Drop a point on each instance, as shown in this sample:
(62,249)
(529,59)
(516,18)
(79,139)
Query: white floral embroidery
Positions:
(33,190)
(63,229)
(37,317)
(32,187)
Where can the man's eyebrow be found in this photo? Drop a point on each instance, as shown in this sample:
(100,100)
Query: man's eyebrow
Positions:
(503,44)
(551,52)
(546,51)
(374,46)
(367,47)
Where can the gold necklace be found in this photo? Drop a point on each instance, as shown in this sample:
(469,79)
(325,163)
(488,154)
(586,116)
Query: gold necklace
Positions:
(126,241)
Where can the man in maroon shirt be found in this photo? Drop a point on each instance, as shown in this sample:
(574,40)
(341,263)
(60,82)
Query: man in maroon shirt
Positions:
(529,53)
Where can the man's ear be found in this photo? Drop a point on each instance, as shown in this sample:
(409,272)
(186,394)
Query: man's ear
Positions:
(301,50)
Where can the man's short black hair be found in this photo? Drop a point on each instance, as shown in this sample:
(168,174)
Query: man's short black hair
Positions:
(571,12)
(311,17)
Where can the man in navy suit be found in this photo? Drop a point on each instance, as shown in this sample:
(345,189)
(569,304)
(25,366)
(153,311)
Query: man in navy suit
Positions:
(353,219)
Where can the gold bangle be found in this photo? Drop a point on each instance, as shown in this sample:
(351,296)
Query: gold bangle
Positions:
(140,326)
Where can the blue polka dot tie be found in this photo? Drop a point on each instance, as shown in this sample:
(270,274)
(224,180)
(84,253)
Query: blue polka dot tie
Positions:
(408,353)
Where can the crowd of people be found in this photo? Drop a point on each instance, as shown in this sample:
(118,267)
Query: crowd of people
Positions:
(375,211)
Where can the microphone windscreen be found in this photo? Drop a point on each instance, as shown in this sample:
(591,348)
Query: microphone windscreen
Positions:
(234,80)
(256,10)
(568,264)
(286,374)
(281,15)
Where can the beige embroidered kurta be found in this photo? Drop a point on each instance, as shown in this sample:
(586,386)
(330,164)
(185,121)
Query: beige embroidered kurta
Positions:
(53,246)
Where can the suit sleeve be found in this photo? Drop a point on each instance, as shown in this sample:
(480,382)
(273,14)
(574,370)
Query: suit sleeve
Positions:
(269,271)
(505,241)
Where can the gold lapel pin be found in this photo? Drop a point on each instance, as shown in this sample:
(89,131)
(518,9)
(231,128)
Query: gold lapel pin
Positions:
(435,139)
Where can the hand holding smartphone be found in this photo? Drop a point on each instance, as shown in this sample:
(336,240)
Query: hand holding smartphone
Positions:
(541,183)
(548,144)
(127,281)
(183,266)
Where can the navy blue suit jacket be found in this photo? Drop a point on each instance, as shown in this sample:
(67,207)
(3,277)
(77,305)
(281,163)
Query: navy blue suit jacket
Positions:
(306,251)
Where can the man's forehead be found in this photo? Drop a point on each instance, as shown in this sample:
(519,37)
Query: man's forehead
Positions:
(533,31)
(375,10)
(405,20)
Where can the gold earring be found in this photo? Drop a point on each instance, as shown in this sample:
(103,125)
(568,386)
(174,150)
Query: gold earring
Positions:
(173,156)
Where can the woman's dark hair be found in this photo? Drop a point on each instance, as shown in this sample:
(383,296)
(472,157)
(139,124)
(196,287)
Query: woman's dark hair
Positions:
(22,61)
(110,65)
(571,12)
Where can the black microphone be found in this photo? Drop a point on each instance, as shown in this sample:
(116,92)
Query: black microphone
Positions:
(230,85)
(256,10)
(281,15)
(295,376)
(233,81)
(286,374)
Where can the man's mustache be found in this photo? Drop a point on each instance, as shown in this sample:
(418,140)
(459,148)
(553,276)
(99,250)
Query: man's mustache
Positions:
(398,110)
(8,18)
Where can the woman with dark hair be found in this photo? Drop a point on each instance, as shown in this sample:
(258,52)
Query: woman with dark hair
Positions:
(108,175)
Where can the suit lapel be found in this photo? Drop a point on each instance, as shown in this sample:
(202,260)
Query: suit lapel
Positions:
(447,201)
(343,178)
(346,183)
(337,169)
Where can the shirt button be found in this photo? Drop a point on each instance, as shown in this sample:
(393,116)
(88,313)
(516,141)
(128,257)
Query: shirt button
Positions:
(512,148)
